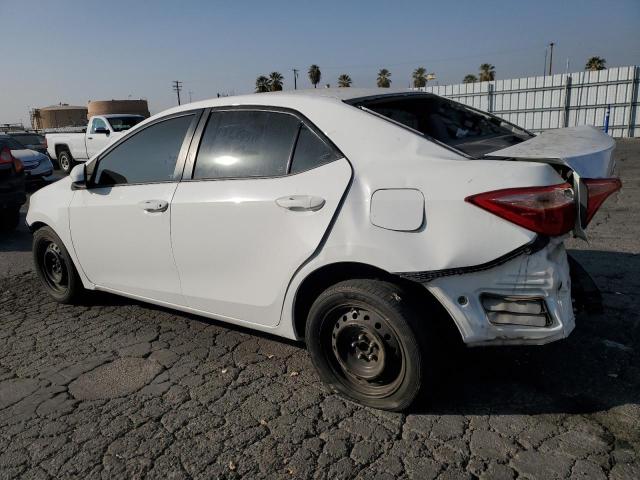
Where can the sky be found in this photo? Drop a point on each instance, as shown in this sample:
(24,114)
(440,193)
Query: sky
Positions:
(73,51)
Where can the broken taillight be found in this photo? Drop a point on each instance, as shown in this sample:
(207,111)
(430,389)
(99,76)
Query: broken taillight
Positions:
(548,210)
(599,190)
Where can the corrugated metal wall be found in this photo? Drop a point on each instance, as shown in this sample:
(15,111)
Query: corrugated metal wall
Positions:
(555,101)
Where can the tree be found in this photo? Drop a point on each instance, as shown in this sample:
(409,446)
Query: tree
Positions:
(470,78)
(275,81)
(595,63)
(315,75)
(344,80)
(262,84)
(384,78)
(419,77)
(487,72)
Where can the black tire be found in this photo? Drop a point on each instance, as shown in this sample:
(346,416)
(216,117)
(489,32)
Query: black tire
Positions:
(55,267)
(367,343)
(9,218)
(66,161)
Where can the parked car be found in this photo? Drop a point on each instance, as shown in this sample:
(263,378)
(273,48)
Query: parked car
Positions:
(37,166)
(12,192)
(348,218)
(71,148)
(31,141)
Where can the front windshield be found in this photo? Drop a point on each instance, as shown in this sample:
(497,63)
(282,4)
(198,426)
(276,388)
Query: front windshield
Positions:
(120,124)
(462,128)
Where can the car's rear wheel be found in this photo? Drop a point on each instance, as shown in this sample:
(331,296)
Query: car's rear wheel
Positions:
(55,267)
(365,342)
(65,160)
(9,218)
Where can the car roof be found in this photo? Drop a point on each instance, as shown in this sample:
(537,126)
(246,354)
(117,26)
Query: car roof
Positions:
(292,98)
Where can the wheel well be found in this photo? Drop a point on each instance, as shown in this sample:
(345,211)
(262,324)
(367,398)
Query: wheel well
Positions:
(324,277)
(62,148)
(36,226)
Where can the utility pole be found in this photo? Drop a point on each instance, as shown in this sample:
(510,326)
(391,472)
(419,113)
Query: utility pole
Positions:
(551,56)
(177,87)
(295,78)
(190,93)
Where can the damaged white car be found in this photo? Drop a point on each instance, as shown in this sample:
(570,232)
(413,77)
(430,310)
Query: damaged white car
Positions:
(342,217)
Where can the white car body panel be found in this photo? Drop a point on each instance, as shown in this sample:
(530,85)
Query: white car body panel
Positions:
(237,250)
(253,275)
(121,246)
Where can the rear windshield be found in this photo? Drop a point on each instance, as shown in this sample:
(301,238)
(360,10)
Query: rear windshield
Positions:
(120,124)
(28,138)
(10,143)
(470,131)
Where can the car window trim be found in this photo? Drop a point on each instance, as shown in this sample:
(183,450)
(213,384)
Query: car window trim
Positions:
(197,139)
(180,161)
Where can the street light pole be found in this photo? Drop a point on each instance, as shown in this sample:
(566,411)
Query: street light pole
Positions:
(551,56)
(295,78)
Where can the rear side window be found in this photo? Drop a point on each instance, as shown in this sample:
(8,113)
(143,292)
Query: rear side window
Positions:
(148,156)
(243,143)
(310,151)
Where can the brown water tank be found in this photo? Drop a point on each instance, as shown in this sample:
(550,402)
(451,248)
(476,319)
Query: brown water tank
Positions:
(106,107)
(61,115)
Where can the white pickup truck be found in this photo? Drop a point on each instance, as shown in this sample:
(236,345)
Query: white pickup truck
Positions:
(70,148)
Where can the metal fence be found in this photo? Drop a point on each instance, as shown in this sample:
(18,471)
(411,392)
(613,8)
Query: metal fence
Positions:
(556,101)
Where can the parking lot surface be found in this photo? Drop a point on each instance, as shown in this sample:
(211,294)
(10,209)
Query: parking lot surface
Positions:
(117,388)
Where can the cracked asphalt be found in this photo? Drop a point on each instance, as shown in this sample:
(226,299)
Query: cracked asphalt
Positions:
(119,389)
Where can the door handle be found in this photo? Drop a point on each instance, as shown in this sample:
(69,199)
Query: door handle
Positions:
(154,206)
(89,138)
(301,203)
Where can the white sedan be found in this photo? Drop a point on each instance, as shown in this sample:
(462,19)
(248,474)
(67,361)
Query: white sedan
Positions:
(353,219)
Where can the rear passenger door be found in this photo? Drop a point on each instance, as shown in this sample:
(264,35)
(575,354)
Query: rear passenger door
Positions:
(259,192)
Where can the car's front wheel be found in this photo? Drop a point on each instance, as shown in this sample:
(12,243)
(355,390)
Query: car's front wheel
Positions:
(366,343)
(65,160)
(55,267)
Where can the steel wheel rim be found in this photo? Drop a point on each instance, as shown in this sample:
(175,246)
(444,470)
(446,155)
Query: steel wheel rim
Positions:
(64,162)
(364,350)
(53,267)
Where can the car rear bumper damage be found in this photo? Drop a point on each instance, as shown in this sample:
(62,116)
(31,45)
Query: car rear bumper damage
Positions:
(526,299)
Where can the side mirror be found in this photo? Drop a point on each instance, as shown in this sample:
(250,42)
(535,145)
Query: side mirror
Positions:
(104,131)
(78,176)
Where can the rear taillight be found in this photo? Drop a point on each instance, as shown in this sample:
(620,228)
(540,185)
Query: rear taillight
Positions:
(45,144)
(547,210)
(7,157)
(599,190)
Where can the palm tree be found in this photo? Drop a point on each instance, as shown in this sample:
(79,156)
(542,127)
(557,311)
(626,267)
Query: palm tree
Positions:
(262,84)
(315,75)
(487,72)
(420,77)
(275,81)
(595,63)
(344,80)
(384,78)
(470,78)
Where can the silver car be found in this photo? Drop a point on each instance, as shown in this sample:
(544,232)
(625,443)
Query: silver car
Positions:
(37,166)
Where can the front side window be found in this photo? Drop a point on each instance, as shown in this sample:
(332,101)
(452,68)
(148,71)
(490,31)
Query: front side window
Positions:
(98,123)
(148,156)
(243,143)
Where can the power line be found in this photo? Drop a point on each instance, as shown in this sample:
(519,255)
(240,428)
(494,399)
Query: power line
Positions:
(177,87)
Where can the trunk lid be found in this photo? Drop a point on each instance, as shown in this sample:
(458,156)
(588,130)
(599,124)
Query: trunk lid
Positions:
(586,150)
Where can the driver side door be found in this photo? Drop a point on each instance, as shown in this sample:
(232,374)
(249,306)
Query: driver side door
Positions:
(96,141)
(120,224)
